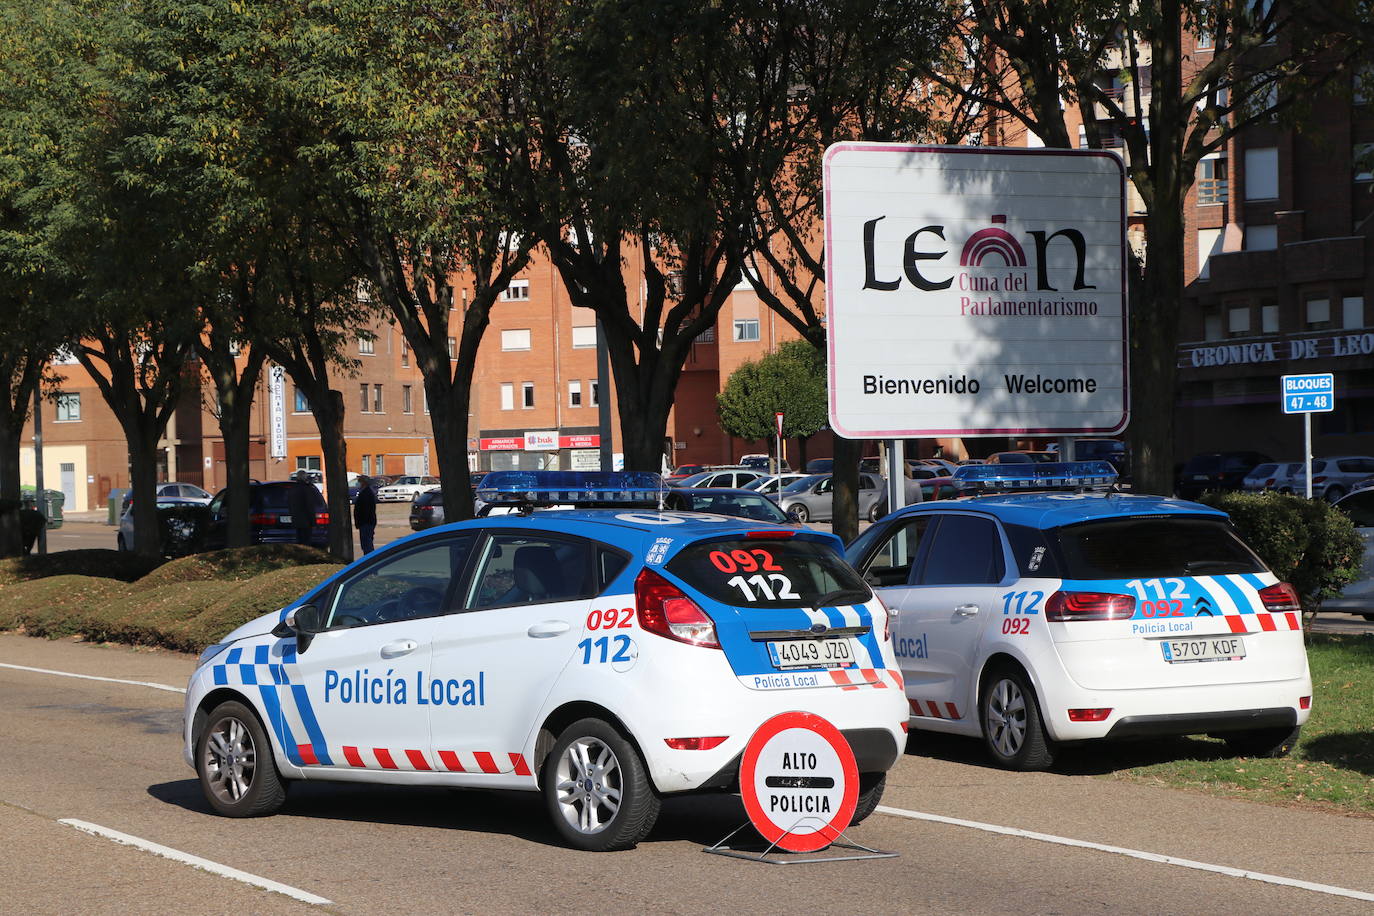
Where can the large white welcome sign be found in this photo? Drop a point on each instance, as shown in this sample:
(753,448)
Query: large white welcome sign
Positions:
(974,291)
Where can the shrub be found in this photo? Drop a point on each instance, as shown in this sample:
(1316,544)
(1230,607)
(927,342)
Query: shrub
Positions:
(56,605)
(1307,543)
(236,564)
(109,564)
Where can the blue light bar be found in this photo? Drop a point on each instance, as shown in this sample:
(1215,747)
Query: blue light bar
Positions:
(1009,478)
(576,488)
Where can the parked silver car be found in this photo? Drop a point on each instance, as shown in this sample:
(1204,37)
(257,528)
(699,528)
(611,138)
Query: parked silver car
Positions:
(810,498)
(1332,478)
(1358,596)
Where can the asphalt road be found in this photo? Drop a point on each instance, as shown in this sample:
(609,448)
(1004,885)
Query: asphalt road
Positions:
(108,754)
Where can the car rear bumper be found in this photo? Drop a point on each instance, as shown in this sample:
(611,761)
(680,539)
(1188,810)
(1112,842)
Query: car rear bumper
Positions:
(1198,723)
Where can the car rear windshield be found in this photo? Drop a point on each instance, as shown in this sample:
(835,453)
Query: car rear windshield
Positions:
(277,496)
(430,498)
(771,573)
(1133,548)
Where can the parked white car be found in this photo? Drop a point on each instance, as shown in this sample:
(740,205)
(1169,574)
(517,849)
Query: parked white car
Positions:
(405,489)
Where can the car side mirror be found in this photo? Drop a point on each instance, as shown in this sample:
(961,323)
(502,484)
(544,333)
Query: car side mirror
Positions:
(303,621)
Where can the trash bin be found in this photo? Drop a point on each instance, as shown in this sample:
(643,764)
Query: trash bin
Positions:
(51,508)
(56,499)
(115,500)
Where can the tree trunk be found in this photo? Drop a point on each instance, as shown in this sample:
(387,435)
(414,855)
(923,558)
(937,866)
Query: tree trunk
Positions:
(143,480)
(844,510)
(1154,360)
(448,413)
(329,417)
(235,429)
(11,535)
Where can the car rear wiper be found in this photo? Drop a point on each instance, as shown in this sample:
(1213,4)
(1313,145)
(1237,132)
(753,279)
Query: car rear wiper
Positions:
(854,594)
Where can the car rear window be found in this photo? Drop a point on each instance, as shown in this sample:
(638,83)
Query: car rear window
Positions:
(278,497)
(1131,548)
(768,572)
(430,498)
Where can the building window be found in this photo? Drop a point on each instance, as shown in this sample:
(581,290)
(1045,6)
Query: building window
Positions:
(377,399)
(518,291)
(367,346)
(1238,321)
(746,329)
(518,339)
(69,408)
(1261,238)
(367,465)
(1318,313)
(575,393)
(363,403)
(595,385)
(1364,161)
(424,399)
(1208,244)
(527,394)
(1211,181)
(507,396)
(453,348)
(1262,173)
(1352,312)
(1211,326)
(583,338)
(1204,41)
(1269,318)
(405,400)
(405,351)
(307,462)
(302,402)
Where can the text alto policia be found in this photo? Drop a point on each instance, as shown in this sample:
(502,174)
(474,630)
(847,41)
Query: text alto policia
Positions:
(360,686)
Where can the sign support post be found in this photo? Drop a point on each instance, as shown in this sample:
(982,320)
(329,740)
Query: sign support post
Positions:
(1309,394)
(777,468)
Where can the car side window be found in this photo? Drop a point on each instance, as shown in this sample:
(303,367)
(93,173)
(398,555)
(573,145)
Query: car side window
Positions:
(891,563)
(825,486)
(413,584)
(1360,507)
(217,506)
(519,568)
(966,550)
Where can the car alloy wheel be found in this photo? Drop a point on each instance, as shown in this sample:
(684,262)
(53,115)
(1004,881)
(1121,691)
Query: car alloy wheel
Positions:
(1012,727)
(234,762)
(597,790)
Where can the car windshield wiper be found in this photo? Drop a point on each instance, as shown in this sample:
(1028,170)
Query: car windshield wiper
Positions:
(853,594)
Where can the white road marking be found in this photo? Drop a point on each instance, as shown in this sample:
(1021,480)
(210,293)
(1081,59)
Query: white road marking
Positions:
(92,677)
(194,861)
(1133,853)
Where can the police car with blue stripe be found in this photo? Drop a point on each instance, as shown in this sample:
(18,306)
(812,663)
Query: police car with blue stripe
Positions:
(604,657)
(1074,613)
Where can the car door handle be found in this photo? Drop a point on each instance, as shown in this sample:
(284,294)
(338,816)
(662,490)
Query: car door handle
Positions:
(398,648)
(966,610)
(547,628)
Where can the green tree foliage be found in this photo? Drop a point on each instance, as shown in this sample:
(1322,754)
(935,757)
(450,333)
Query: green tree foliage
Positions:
(791,379)
(46,96)
(1308,543)
(1032,60)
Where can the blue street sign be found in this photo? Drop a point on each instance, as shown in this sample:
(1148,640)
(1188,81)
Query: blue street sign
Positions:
(1314,393)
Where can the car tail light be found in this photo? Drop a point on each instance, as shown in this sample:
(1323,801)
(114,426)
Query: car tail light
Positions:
(1305,702)
(1089,606)
(887,618)
(1317,480)
(322,518)
(262,518)
(1280,599)
(664,609)
(695,744)
(1089,715)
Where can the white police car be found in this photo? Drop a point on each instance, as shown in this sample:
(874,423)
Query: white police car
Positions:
(602,657)
(1035,619)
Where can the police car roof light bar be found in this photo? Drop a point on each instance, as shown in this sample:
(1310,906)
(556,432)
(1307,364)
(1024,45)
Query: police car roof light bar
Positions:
(587,489)
(1012,478)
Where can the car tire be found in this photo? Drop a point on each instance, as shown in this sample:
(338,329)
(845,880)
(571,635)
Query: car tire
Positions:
(597,790)
(1263,742)
(873,514)
(1333,494)
(234,761)
(1012,727)
(798,513)
(871,786)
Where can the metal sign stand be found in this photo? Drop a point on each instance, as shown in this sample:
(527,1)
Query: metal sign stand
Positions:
(768,858)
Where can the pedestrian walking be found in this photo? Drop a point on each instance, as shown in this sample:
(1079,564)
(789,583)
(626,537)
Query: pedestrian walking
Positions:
(365,513)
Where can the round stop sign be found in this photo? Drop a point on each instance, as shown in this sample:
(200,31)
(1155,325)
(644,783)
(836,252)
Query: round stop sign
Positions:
(799,782)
